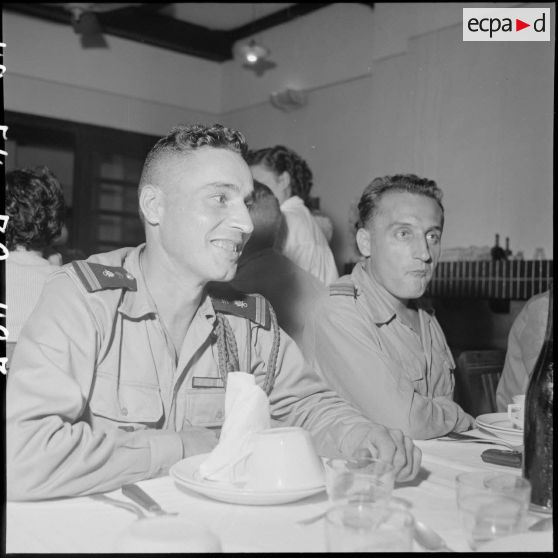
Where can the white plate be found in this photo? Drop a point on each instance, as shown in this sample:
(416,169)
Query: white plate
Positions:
(499,425)
(523,542)
(185,473)
(498,421)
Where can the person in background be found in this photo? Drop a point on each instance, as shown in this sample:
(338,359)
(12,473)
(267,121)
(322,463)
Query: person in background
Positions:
(262,269)
(122,367)
(288,176)
(373,339)
(525,341)
(35,207)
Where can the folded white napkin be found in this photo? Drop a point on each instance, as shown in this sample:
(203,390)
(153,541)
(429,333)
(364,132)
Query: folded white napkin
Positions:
(246,412)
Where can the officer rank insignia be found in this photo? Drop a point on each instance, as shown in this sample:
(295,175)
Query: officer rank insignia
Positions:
(98,277)
(252,306)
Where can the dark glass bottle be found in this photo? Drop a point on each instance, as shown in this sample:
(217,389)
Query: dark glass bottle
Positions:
(538,427)
(497,252)
(507,251)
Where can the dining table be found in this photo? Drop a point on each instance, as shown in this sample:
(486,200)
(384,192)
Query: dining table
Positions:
(88,525)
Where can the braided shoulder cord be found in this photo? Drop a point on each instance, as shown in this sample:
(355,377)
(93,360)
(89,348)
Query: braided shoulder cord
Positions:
(228,351)
(272,363)
(226,347)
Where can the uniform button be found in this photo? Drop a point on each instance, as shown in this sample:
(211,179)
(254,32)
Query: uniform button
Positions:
(219,415)
(124,411)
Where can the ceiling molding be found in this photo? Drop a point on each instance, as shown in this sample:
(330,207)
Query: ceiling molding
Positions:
(145,25)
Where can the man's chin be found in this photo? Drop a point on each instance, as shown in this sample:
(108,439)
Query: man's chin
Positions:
(227,275)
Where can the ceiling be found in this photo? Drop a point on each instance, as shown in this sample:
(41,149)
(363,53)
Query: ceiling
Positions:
(206,30)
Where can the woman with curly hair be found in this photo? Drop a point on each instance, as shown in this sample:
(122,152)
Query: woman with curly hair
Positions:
(288,176)
(35,206)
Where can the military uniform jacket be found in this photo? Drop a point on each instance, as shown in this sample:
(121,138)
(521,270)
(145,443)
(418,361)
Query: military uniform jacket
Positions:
(397,377)
(96,392)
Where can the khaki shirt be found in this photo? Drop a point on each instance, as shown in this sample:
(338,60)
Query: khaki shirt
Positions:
(96,394)
(396,377)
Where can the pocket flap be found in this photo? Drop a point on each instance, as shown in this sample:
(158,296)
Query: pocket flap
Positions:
(126,402)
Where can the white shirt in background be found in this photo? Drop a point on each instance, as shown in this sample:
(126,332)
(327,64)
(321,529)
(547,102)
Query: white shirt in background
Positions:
(26,273)
(305,243)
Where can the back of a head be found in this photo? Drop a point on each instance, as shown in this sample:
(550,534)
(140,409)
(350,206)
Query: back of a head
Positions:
(266,217)
(35,206)
(281,159)
(409,183)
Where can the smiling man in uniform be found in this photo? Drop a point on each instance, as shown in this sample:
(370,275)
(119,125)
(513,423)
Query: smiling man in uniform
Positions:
(373,339)
(121,370)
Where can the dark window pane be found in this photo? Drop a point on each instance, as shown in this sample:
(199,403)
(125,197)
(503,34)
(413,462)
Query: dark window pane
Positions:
(125,230)
(122,167)
(118,198)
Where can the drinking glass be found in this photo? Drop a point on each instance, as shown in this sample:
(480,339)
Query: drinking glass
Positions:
(359,480)
(492,505)
(368,527)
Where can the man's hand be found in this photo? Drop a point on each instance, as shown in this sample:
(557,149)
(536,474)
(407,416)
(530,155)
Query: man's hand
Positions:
(394,447)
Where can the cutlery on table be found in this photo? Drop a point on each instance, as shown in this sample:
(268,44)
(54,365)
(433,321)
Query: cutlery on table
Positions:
(429,539)
(118,504)
(458,437)
(139,496)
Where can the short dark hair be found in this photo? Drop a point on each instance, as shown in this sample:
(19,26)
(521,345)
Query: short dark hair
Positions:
(280,159)
(266,217)
(410,183)
(187,138)
(35,206)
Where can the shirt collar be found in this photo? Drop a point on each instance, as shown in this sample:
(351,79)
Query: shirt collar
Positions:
(379,304)
(138,303)
(27,257)
(293,201)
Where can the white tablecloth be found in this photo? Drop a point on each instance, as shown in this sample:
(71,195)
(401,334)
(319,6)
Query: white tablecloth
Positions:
(83,525)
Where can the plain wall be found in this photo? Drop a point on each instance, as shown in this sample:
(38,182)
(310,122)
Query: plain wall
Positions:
(129,86)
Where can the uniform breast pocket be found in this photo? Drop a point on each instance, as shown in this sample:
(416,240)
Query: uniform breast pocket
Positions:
(126,402)
(205,407)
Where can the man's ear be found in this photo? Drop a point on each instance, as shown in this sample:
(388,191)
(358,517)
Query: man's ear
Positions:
(284,180)
(150,203)
(363,242)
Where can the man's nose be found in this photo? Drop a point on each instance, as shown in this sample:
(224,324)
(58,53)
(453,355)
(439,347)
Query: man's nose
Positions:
(422,250)
(241,219)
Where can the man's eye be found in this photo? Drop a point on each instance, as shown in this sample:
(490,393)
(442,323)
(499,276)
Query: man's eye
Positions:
(403,234)
(433,237)
(221,198)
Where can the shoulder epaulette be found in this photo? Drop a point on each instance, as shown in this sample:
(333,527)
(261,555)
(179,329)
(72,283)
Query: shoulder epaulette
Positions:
(342,288)
(254,307)
(99,277)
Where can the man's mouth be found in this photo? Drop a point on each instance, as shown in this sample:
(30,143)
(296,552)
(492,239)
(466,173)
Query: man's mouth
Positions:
(419,273)
(228,245)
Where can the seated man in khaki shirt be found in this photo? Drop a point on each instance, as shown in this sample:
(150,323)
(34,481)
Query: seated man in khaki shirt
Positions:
(372,339)
(121,369)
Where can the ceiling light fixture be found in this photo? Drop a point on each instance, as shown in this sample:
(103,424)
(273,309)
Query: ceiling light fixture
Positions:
(252,55)
(252,52)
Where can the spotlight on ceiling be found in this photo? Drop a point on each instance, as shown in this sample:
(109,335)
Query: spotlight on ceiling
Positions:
(252,52)
(254,57)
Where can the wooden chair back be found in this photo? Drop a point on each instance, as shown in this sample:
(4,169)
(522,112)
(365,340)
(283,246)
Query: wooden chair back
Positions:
(476,379)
